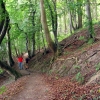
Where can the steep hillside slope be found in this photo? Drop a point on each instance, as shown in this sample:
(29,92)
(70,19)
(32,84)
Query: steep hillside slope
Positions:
(80,63)
(74,75)
(78,58)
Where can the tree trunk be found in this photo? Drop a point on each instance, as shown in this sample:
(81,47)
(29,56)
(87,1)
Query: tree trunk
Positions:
(44,44)
(10,69)
(11,61)
(53,13)
(6,22)
(16,51)
(32,15)
(29,47)
(27,44)
(46,30)
(79,2)
(65,26)
(70,23)
(4,29)
(89,18)
(33,42)
(94,7)
(2,14)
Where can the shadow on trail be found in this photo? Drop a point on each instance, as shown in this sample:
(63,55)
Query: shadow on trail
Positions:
(23,71)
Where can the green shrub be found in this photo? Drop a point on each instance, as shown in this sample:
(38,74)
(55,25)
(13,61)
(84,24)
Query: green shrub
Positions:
(77,67)
(79,77)
(2,89)
(81,38)
(1,71)
(90,41)
(98,66)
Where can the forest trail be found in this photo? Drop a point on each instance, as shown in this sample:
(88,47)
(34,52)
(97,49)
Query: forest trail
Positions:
(35,89)
(30,87)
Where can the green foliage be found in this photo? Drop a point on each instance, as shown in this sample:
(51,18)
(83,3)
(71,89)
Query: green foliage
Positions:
(98,66)
(81,38)
(50,71)
(90,41)
(79,77)
(21,12)
(2,89)
(1,71)
(63,36)
(77,67)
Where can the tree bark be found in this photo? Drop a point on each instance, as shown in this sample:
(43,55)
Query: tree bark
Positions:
(32,15)
(11,61)
(4,29)
(79,2)
(33,42)
(10,69)
(89,18)
(2,15)
(45,27)
(53,14)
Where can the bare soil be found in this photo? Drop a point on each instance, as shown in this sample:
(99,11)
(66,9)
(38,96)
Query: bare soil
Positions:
(35,89)
(30,87)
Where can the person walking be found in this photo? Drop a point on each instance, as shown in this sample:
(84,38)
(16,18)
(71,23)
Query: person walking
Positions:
(20,62)
(26,63)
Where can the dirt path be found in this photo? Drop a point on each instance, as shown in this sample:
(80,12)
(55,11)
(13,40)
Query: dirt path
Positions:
(35,89)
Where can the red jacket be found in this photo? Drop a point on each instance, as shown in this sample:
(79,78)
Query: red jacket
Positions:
(20,59)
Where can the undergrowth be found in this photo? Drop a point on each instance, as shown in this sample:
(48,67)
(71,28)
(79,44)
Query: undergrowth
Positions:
(2,89)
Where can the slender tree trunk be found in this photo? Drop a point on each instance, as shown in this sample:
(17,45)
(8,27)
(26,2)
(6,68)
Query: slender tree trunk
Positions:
(32,15)
(75,20)
(43,41)
(53,13)
(96,13)
(11,61)
(2,14)
(70,24)
(4,29)
(53,18)
(60,26)
(33,39)
(79,2)
(65,26)
(27,45)
(89,18)
(26,42)
(16,50)
(46,30)
(6,22)
(94,7)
